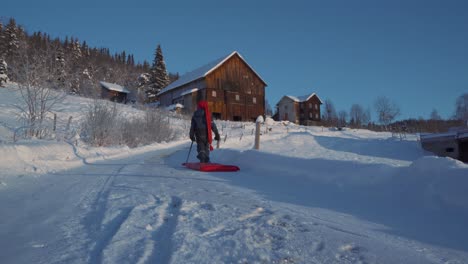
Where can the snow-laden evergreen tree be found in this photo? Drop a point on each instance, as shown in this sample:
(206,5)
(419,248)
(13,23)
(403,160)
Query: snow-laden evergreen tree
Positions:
(60,70)
(461,108)
(2,42)
(3,72)
(76,69)
(11,41)
(159,76)
(3,65)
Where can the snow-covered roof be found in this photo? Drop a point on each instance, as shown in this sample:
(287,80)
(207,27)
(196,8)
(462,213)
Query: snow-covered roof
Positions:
(459,134)
(174,107)
(114,87)
(203,72)
(303,98)
(189,91)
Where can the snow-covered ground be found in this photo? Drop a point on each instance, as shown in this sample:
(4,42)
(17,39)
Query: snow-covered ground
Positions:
(309,195)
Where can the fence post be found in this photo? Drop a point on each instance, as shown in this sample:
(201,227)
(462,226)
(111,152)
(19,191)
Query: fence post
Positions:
(55,121)
(258,123)
(69,121)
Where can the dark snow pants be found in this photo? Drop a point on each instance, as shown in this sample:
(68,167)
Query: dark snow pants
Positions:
(203,149)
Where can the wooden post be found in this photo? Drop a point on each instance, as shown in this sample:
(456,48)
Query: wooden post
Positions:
(69,121)
(258,124)
(55,121)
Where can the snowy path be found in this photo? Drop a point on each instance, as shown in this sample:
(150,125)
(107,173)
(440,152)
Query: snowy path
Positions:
(146,209)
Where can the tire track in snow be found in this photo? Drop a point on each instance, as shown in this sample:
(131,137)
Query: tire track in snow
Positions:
(93,222)
(107,233)
(162,238)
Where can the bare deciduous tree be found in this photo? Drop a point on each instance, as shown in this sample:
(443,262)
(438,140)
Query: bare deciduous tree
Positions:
(386,110)
(37,98)
(342,118)
(357,115)
(435,115)
(461,108)
(329,115)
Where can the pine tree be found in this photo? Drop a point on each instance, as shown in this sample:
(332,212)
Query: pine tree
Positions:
(76,70)
(2,42)
(3,65)
(60,70)
(11,44)
(3,72)
(159,76)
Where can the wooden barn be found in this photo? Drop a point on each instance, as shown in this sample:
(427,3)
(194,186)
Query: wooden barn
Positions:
(303,110)
(233,90)
(114,92)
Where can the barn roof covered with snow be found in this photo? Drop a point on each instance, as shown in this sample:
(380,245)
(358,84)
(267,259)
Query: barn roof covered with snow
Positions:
(203,71)
(114,87)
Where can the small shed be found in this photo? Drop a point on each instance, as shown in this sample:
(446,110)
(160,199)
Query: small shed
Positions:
(453,144)
(114,92)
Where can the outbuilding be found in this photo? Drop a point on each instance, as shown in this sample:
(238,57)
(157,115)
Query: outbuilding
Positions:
(114,92)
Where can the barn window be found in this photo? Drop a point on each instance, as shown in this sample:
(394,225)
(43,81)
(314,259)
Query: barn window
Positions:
(316,116)
(237,97)
(213,93)
(310,115)
(316,106)
(254,100)
(310,105)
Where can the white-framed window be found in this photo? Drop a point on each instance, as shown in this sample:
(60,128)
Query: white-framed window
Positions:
(213,93)
(254,100)
(310,105)
(310,115)
(316,116)
(316,106)
(237,97)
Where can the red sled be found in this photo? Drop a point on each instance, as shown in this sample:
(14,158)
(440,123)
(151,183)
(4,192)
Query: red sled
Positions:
(209,167)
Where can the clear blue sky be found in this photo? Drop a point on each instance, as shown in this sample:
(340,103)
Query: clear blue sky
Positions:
(415,52)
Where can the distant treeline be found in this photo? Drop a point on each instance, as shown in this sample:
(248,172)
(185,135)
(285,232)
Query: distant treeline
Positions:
(426,126)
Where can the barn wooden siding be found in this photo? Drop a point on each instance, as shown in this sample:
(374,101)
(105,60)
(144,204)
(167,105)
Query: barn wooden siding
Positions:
(231,87)
(235,92)
(113,96)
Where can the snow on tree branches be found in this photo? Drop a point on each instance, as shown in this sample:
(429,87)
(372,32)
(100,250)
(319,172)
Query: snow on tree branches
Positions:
(159,76)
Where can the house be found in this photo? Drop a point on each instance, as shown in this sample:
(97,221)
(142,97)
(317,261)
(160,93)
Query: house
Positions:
(453,144)
(114,92)
(303,110)
(233,90)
